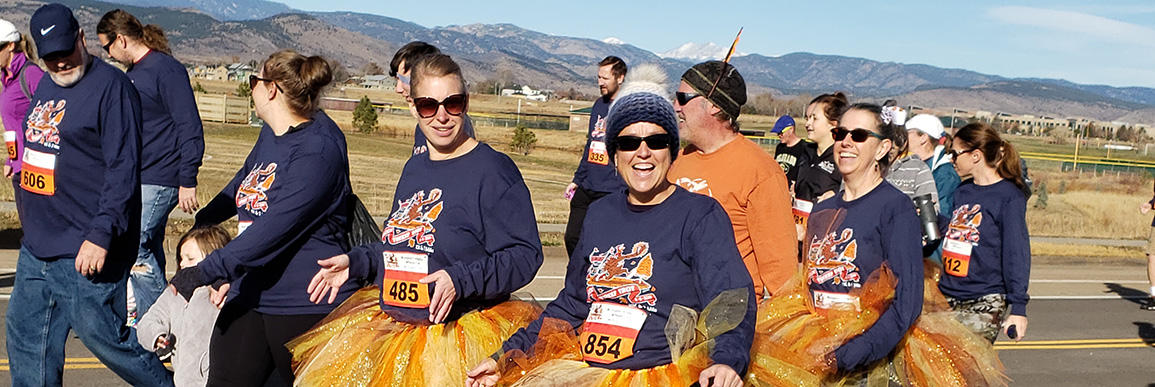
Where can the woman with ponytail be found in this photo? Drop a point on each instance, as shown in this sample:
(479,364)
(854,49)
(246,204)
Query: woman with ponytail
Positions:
(172,142)
(20,76)
(987,251)
(290,199)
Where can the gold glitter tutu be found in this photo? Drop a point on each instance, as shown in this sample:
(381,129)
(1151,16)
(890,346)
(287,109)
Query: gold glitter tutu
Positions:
(792,341)
(557,359)
(359,345)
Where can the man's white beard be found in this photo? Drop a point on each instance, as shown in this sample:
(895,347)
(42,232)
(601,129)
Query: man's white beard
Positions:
(71,79)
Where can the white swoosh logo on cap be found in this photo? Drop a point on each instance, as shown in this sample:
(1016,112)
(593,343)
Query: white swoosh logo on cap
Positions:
(45,31)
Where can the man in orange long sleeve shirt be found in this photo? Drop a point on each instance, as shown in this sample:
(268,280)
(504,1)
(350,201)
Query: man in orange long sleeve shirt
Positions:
(737,172)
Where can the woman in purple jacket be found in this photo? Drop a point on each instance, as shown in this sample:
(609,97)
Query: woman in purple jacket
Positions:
(20,76)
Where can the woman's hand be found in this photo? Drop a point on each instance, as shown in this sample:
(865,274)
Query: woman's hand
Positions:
(443,295)
(1020,323)
(1145,208)
(484,375)
(719,375)
(334,272)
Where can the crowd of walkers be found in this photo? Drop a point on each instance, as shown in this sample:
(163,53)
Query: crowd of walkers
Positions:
(880,250)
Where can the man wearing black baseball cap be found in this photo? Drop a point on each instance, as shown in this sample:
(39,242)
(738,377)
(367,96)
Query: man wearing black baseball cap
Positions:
(80,210)
(720,163)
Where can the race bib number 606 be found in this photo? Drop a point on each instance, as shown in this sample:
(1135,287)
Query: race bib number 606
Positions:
(38,174)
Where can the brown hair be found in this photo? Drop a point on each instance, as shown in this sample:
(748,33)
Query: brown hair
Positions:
(998,153)
(118,22)
(618,66)
(300,77)
(409,54)
(436,65)
(209,239)
(889,131)
(833,105)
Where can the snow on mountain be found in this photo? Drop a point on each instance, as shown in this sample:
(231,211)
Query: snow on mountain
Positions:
(698,52)
(613,40)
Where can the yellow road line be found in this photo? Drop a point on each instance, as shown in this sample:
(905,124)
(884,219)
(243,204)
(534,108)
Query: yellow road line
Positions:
(1083,341)
(70,360)
(1077,346)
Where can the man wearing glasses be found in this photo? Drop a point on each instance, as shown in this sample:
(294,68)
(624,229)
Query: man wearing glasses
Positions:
(405,59)
(723,164)
(595,177)
(80,209)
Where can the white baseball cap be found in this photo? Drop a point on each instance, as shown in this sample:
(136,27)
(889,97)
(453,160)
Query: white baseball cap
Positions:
(926,123)
(8,32)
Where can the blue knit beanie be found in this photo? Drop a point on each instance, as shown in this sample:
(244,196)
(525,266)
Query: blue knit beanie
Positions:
(643,98)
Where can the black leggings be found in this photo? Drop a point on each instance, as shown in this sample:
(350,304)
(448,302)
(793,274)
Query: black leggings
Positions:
(248,346)
(578,206)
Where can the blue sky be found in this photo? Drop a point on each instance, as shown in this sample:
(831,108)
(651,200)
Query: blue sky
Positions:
(1110,43)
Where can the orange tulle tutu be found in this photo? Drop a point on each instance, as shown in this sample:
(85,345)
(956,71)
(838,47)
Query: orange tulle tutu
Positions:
(792,341)
(557,358)
(359,345)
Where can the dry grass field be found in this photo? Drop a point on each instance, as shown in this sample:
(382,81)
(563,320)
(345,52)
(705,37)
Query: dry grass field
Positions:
(1092,206)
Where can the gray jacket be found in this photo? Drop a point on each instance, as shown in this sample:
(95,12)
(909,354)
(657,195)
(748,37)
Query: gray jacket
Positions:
(192,323)
(911,176)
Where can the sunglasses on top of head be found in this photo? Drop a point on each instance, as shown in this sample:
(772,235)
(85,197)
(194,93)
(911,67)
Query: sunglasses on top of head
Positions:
(632,143)
(857,135)
(427,107)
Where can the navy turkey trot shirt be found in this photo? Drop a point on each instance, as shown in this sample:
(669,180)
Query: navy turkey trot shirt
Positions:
(471,216)
(172,136)
(594,171)
(81,175)
(991,223)
(290,202)
(846,243)
(650,258)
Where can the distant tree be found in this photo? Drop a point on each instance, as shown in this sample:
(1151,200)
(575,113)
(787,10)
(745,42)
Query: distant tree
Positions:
(373,69)
(1041,196)
(340,73)
(523,140)
(487,86)
(365,116)
(243,90)
(197,88)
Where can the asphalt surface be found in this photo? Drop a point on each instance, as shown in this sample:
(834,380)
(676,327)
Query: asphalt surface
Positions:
(1085,327)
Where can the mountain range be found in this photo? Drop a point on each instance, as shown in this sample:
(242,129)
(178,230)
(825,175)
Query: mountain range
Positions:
(215,31)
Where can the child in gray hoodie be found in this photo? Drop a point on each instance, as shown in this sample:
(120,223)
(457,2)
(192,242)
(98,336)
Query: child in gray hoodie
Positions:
(181,324)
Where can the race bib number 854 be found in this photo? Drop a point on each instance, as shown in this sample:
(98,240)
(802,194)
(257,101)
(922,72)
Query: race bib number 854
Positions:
(610,331)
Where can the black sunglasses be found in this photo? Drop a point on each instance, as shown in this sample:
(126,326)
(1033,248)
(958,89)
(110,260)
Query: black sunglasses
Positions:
(954,154)
(108,47)
(858,135)
(684,98)
(427,107)
(632,143)
(253,79)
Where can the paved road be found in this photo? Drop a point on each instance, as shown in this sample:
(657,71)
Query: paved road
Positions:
(1085,328)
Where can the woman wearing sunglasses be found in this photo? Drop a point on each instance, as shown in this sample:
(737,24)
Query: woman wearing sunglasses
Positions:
(650,260)
(863,285)
(462,236)
(987,250)
(290,201)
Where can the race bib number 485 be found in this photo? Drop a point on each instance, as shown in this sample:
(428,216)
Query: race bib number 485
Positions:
(10,143)
(38,173)
(610,331)
(402,273)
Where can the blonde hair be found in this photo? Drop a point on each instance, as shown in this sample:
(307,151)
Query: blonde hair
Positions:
(25,46)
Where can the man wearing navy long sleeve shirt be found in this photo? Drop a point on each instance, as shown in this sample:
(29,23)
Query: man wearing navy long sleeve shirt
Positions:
(595,177)
(172,142)
(80,206)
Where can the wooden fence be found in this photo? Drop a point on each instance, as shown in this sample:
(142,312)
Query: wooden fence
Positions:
(223,108)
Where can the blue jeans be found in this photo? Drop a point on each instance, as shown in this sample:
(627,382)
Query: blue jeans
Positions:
(50,298)
(148,276)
